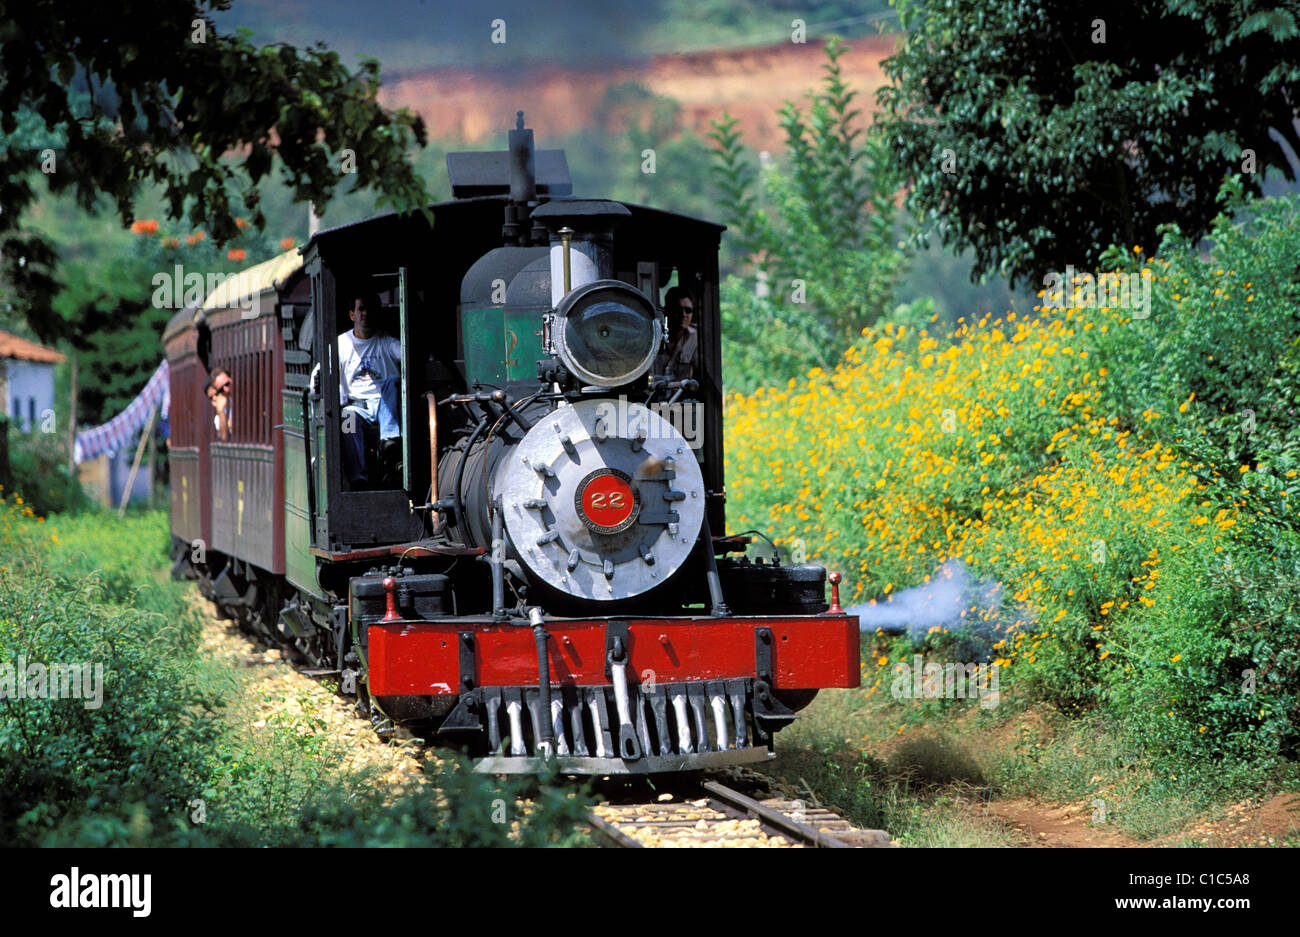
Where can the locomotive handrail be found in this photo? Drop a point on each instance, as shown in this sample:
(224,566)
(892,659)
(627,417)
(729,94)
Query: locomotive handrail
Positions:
(435,515)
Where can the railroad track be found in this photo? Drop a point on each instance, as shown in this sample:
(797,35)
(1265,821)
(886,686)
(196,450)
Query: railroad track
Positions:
(721,816)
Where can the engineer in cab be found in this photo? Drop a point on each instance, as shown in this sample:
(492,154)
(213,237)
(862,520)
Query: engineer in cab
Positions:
(370,366)
(678,361)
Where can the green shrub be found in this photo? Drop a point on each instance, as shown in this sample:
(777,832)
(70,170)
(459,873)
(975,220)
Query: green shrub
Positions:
(1219,357)
(63,761)
(165,761)
(38,464)
(1217,675)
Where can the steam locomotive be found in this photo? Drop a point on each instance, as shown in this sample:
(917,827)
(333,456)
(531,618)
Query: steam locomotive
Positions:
(545,578)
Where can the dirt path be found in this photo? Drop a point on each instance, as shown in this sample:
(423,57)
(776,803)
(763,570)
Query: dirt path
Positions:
(1053,825)
(273,688)
(1246,823)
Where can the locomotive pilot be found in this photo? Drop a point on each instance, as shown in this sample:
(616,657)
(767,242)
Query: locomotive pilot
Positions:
(370,364)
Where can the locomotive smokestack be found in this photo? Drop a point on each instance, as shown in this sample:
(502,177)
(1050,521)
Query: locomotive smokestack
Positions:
(523,165)
(523,183)
(582,241)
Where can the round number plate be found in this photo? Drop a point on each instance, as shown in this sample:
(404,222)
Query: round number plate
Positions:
(606,502)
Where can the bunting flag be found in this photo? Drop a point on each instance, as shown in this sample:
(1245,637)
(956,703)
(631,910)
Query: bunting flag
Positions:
(121,430)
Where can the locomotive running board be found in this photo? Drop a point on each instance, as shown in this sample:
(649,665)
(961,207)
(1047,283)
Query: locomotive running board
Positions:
(655,764)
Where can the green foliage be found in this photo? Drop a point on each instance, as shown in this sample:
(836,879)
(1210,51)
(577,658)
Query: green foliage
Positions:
(818,232)
(1103,468)
(169,759)
(1037,145)
(71,771)
(157,99)
(1212,373)
(455,809)
(1219,357)
(1218,674)
(39,473)
(765,342)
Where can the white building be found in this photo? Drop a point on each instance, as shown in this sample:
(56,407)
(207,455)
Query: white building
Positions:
(26,381)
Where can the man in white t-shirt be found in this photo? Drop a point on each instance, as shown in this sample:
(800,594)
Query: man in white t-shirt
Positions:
(370,365)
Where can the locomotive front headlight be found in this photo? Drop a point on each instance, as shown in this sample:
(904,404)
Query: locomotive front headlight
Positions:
(607,333)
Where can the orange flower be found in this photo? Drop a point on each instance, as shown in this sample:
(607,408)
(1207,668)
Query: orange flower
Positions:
(286,243)
(236,253)
(241,223)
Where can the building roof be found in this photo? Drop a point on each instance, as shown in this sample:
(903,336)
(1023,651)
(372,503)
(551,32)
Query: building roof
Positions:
(11,346)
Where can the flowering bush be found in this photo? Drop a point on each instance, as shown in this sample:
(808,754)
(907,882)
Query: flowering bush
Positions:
(1044,453)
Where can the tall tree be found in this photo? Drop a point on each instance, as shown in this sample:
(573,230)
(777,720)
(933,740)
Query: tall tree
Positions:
(1039,132)
(818,230)
(105,102)
(828,215)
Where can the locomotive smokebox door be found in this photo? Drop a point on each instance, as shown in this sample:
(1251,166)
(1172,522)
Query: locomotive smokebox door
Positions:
(597,515)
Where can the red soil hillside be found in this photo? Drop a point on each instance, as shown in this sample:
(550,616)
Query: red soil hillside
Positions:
(751,84)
